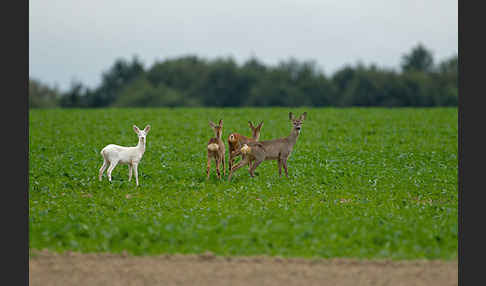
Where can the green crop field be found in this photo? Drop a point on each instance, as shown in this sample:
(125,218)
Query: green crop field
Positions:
(363,183)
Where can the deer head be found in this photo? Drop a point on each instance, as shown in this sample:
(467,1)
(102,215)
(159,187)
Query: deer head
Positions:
(255,131)
(142,134)
(218,129)
(297,122)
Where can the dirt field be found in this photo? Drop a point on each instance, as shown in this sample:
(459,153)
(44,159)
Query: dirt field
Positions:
(47,268)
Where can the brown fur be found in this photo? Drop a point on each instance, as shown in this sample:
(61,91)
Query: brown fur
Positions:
(276,149)
(236,140)
(217,155)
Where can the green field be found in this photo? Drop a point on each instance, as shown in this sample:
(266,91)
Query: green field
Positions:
(363,183)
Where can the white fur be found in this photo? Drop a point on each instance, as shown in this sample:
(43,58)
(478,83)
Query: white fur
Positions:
(213,147)
(131,156)
(245,149)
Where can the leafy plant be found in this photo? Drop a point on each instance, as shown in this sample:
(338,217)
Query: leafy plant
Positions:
(364,182)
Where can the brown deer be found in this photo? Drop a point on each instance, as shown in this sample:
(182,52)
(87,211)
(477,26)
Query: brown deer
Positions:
(236,141)
(276,149)
(216,149)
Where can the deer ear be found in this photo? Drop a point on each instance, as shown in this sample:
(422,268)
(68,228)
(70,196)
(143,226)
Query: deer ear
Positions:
(260,125)
(146,129)
(250,124)
(135,128)
(302,117)
(221,122)
(212,124)
(291,116)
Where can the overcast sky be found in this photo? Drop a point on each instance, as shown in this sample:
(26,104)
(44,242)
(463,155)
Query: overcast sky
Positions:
(78,40)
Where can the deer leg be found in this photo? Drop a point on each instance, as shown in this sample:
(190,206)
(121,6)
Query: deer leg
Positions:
(135,170)
(102,169)
(110,169)
(242,163)
(208,167)
(223,166)
(233,155)
(250,161)
(230,160)
(130,172)
(254,166)
(279,167)
(284,161)
(218,161)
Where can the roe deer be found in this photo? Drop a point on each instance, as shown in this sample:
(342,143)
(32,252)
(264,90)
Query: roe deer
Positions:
(216,149)
(276,149)
(236,140)
(131,156)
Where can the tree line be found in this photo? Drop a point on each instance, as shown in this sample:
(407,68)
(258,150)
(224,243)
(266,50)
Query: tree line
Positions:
(194,81)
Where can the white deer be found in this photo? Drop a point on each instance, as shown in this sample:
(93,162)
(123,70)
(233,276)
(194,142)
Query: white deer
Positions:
(131,156)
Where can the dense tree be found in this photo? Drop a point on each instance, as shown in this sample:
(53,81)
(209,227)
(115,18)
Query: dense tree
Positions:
(76,96)
(221,82)
(121,74)
(419,59)
(182,74)
(142,93)
(42,95)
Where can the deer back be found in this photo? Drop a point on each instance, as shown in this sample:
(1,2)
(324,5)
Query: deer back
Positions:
(282,147)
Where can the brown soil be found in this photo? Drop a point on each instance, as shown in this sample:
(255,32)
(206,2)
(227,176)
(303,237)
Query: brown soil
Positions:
(47,268)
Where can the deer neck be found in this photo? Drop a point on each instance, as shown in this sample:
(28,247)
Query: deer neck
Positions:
(141,146)
(256,137)
(294,134)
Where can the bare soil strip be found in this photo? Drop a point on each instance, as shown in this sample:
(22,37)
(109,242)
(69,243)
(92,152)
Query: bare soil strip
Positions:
(47,268)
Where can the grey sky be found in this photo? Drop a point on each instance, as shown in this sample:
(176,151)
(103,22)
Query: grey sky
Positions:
(71,39)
